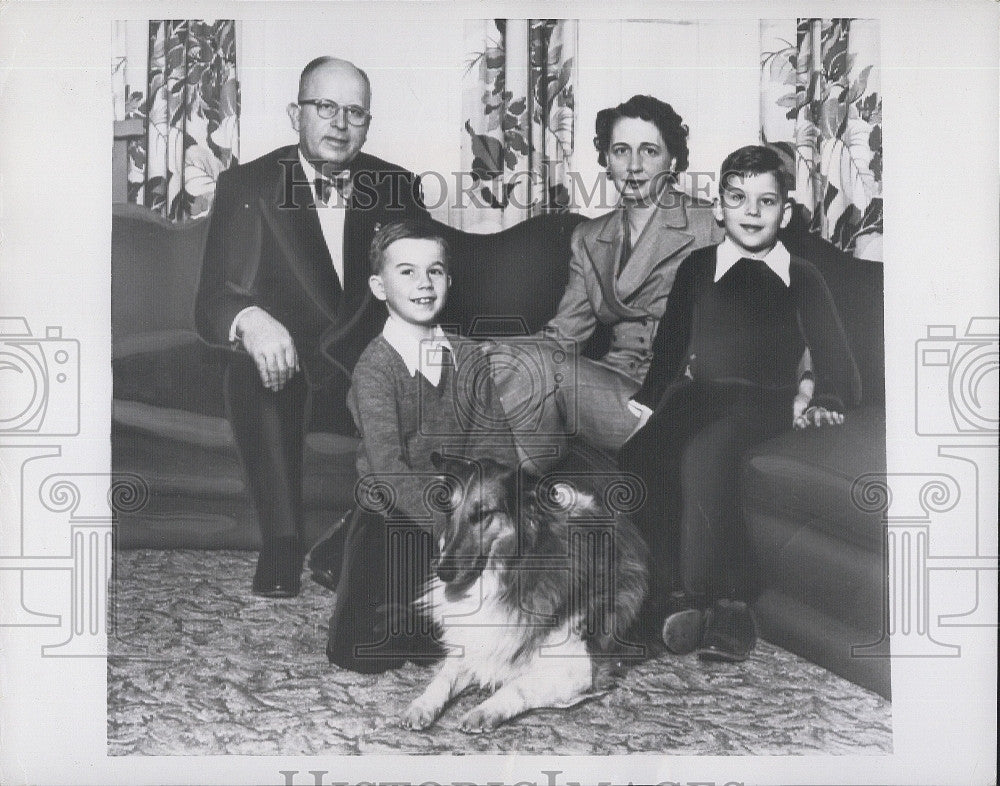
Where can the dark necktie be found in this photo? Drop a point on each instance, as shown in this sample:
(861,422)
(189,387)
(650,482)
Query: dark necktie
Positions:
(626,245)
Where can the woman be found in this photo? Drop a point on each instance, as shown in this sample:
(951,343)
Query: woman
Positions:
(623,265)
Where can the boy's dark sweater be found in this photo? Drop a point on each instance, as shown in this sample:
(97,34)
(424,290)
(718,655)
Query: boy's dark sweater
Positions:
(750,328)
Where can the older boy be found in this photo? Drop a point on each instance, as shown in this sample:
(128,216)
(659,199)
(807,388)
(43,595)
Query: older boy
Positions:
(415,390)
(724,372)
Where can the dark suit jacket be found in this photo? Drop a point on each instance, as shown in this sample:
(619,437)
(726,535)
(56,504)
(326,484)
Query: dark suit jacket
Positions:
(265,248)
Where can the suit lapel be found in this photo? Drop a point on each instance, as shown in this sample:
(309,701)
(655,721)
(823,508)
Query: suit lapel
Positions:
(359,226)
(663,237)
(603,251)
(295,226)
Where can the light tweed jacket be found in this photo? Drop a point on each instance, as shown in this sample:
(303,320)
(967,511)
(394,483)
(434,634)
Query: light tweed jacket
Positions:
(634,304)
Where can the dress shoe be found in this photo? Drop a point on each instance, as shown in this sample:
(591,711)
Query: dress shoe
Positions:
(279,569)
(684,623)
(730,632)
(326,556)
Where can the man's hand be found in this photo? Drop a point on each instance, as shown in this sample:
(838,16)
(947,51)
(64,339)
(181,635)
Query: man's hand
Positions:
(818,416)
(271,347)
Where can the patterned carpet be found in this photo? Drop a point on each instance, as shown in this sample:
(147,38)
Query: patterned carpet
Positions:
(197,665)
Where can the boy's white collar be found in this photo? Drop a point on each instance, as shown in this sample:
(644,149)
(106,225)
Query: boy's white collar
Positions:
(778,259)
(418,352)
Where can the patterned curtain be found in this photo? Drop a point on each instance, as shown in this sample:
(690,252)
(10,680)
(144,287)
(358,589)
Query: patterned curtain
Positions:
(517,138)
(821,106)
(190,108)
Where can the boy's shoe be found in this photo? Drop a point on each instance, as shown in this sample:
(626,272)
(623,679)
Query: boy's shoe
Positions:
(326,556)
(684,624)
(730,632)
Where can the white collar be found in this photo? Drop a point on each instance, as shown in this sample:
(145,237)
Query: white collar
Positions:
(418,353)
(312,174)
(778,259)
(307,167)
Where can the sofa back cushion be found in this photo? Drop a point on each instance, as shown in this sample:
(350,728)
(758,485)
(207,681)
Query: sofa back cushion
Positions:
(510,281)
(857,289)
(506,283)
(155,267)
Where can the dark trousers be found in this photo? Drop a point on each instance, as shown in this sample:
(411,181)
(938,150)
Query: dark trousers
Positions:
(270,428)
(375,624)
(688,456)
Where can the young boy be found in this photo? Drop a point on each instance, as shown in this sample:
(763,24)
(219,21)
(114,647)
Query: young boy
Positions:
(415,390)
(725,371)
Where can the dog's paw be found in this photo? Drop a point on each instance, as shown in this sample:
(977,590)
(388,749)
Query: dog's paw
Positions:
(419,715)
(479,720)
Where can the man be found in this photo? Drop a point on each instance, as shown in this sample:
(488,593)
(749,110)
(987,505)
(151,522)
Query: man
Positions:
(285,286)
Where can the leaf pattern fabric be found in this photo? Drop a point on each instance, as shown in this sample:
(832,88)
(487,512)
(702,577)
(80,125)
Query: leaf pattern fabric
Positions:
(518,129)
(191,108)
(821,107)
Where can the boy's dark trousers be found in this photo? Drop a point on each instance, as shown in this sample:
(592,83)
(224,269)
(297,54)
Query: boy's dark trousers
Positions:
(374,625)
(688,455)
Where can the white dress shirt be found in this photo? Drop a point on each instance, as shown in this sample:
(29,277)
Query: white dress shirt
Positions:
(418,352)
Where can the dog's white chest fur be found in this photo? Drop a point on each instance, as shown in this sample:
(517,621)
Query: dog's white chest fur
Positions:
(487,637)
(487,645)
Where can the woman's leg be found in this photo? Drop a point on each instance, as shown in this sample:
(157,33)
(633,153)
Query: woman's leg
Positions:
(595,408)
(550,394)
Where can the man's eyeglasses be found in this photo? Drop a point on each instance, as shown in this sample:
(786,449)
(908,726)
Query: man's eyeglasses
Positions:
(356,115)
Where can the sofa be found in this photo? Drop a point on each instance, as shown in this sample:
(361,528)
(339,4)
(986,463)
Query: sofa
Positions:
(817,541)
(818,559)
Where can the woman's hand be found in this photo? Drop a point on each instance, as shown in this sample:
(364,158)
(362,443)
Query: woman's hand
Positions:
(800,405)
(817,416)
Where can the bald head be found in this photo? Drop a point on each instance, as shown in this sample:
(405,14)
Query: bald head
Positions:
(333,66)
(330,142)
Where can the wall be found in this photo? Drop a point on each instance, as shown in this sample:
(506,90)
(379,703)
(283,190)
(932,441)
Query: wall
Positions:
(706,70)
(415,71)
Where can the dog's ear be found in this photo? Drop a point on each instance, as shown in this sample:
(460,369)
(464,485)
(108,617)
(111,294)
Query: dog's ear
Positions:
(451,465)
(529,478)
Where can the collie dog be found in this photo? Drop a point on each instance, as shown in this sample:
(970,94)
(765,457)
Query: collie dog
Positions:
(535,588)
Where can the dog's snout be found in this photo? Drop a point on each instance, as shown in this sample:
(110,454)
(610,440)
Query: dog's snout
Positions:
(446,570)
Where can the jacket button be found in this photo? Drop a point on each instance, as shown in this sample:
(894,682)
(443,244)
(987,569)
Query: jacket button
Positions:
(642,340)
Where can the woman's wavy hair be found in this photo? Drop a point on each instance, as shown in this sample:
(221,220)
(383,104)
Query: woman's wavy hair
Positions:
(652,110)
